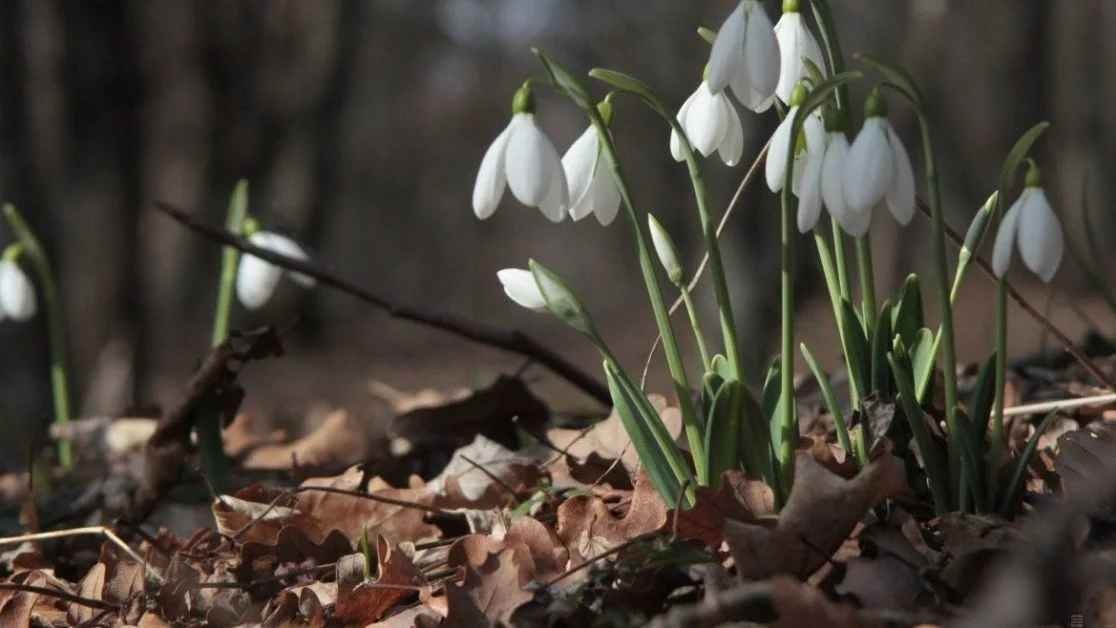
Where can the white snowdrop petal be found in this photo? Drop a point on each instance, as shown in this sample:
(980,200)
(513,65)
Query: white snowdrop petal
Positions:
(675,139)
(788,33)
(1041,242)
(531,162)
(705,122)
(606,197)
(728,48)
(1005,237)
(760,70)
(256,281)
(810,197)
(732,144)
(833,174)
(17,294)
(557,201)
(901,193)
(491,181)
(870,167)
(285,246)
(776,167)
(579,162)
(521,287)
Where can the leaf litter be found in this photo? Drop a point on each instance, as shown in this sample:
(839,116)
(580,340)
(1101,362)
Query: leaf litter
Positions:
(503,521)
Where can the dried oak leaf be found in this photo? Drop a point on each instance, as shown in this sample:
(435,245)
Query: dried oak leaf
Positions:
(609,440)
(339,440)
(289,609)
(738,497)
(353,515)
(1084,455)
(480,474)
(497,412)
(362,602)
(798,604)
(492,591)
(539,554)
(256,514)
(822,510)
(588,528)
(91,586)
(20,608)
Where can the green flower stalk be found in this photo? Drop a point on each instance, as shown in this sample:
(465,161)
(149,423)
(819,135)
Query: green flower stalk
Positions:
(575,90)
(28,246)
(668,257)
(215,465)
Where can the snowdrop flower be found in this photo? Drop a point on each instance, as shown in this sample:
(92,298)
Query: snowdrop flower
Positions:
(833,176)
(523,158)
(745,56)
(592,189)
(256,279)
(878,167)
(521,287)
(1031,225)
(17,294)
(796,43)
(810,143)
(711,124)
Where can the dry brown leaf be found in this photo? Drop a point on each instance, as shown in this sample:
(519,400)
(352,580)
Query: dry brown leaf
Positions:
(588,528)
(340,440)
(608,439)
(361,602)
(739,498)
(497,411)
(822,511)
(90,587)
(408,617)
(798,605)
(352,515)
(123,576)
(494,590)
(480,474)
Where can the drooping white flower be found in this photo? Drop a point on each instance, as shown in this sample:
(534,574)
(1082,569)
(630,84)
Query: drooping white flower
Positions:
(17,294)
(878,167)
(833,187)
(796,43)
(522,288)
(523,158)
(257,279)
(1031,225)
(592,189)
(811,142)
(745,56)
(712,124)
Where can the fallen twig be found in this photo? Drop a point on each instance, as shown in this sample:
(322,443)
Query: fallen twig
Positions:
(167,449)
(513,341)
(1045,407)
(62,595)
(101,530)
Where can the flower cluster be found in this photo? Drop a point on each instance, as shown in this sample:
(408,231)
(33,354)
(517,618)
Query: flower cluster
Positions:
(811,165)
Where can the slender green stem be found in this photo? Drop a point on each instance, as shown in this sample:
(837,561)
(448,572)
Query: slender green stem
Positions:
(215,465)
(867,284)
(699,337)
(788,422)
(949,349)
(716,266)
(996,447)
(832,284)
(693,426)
(230,258)
(56,325)
(840,259)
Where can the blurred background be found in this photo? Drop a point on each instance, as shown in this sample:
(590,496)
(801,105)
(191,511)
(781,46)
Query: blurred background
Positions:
(360,125)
